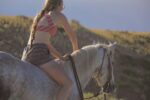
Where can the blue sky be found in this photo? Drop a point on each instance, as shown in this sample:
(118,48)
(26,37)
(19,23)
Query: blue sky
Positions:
(131,15)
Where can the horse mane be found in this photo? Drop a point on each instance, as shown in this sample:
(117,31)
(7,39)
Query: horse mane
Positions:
(90,50)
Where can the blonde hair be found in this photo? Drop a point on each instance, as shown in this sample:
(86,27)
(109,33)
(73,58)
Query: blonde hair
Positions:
(49,5)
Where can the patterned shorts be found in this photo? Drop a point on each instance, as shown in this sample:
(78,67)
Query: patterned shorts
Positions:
(37,55)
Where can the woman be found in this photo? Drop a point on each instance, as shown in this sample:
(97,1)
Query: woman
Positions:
(40,52)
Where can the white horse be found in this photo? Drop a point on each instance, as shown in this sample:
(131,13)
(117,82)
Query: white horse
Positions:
(20,80)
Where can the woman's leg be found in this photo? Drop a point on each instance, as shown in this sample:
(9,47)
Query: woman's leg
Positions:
(55,71)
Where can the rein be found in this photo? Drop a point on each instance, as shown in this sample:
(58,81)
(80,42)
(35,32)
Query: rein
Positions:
(77,78)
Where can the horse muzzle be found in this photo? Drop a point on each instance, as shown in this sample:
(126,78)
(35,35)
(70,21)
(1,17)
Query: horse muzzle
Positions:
(109,88)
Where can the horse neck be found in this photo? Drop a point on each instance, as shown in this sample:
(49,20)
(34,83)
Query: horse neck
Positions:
(86,60)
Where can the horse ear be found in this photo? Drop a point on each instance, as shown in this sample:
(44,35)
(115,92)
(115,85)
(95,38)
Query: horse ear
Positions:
(112,44)
(115,43)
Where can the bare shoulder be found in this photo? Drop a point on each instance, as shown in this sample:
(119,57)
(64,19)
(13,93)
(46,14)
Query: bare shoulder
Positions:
(65,24)
(62,18)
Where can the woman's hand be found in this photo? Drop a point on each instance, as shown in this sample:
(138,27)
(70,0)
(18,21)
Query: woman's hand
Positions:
(65,57)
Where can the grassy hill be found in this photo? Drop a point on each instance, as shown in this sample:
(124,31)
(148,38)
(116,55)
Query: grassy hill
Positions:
(132,59)
(135,41)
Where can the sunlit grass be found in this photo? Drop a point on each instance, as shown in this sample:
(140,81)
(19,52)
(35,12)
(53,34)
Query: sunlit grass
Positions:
(137,41)
(15,23)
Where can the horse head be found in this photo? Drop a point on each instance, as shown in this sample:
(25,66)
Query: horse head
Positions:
(105,75)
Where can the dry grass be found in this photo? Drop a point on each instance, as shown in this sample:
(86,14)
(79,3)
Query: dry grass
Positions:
(137,41)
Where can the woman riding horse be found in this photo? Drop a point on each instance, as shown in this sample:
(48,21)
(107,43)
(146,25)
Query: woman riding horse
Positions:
(41,53)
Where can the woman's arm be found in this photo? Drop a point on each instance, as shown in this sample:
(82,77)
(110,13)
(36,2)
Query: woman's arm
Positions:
(65,24)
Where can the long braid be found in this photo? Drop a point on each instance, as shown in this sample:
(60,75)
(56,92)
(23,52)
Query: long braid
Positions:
(34,25)
(49,6)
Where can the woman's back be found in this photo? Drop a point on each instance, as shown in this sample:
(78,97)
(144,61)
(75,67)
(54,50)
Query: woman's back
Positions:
(46,28)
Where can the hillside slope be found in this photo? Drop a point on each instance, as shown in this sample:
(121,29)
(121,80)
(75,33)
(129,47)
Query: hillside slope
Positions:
(132,59)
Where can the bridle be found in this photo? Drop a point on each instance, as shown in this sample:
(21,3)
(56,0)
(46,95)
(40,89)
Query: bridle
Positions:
(105,88)
(107,84)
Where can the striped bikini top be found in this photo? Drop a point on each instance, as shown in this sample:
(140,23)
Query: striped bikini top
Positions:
(46,25)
